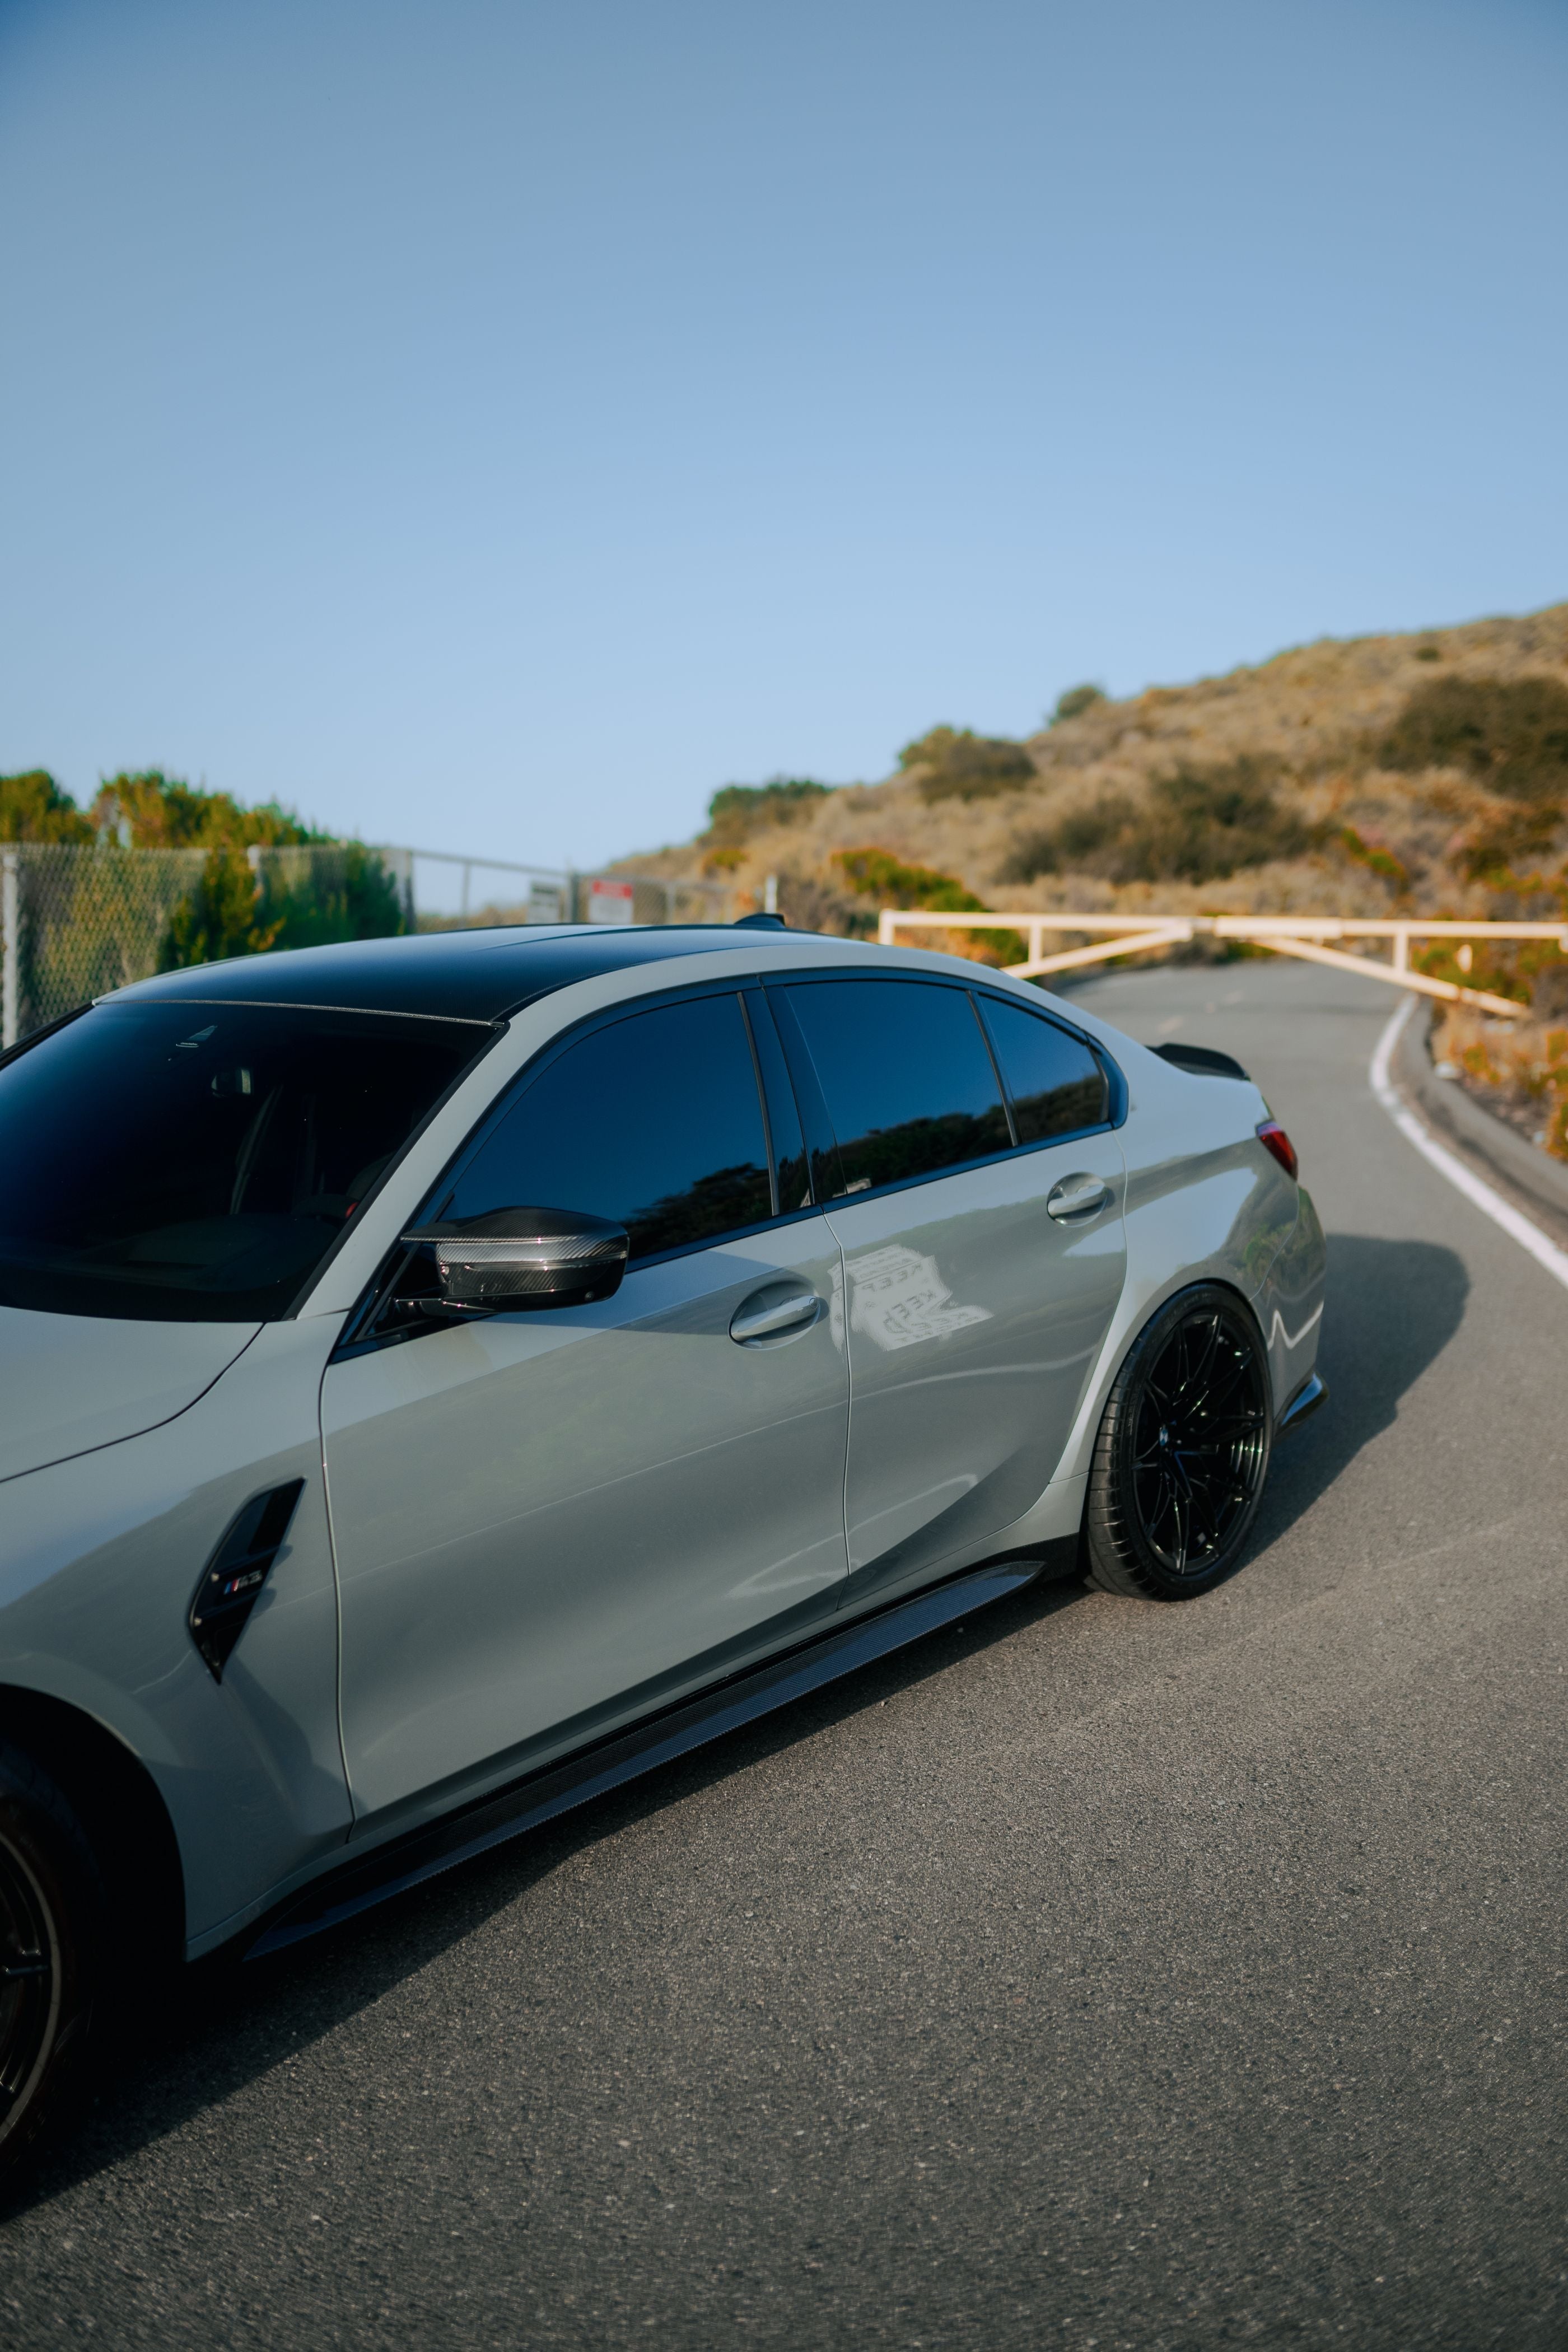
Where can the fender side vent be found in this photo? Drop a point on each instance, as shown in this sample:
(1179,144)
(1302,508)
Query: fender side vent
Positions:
(236,1572)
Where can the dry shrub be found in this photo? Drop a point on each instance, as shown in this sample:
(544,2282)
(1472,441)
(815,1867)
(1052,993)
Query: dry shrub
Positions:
(1513,733)
(1197,824)
(1523,1066)
(954,763)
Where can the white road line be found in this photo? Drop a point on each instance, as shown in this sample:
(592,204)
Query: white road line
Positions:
(1492,1204)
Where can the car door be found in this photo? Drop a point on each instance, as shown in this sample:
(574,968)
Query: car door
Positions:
(540,1515)
(983,1248)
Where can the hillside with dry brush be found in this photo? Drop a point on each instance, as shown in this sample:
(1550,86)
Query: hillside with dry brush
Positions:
(1390,775)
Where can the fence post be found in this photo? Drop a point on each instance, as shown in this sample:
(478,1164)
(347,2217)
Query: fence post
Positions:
(10,986)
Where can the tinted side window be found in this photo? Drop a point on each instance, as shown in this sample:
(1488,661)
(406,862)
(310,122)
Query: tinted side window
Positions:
(654,1120)
(905,1075)
(1055,1083)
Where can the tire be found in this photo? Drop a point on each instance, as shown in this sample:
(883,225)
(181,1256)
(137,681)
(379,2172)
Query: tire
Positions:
(1183,1451)
(52,1917)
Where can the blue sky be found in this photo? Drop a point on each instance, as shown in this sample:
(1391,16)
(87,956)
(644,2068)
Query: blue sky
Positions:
(497,426)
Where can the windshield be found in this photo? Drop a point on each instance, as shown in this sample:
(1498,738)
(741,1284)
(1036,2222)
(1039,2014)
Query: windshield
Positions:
(195,1163)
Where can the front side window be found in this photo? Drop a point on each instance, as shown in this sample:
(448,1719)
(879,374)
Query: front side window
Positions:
(195,1163)
(655,1121)
(905,1074)
(1058,1085)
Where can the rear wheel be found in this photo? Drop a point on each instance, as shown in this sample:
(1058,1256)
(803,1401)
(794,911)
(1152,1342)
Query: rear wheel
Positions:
(1183,1451)
(51,1926)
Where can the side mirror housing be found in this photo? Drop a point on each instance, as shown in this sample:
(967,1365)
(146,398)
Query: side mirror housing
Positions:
(510,1259)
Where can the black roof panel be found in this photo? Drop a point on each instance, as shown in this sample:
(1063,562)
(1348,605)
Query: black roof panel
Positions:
(468,975)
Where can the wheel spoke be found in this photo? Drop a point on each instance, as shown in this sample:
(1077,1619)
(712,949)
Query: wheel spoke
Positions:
(1221,1388)
(1219,1383)
(1241,1421)
(1183,1401)
(1165,1501)
(1204,1527)
(1180,1557)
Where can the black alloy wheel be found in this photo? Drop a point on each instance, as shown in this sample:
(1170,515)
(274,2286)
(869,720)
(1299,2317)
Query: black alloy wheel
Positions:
(1183,1451)
(51,1907)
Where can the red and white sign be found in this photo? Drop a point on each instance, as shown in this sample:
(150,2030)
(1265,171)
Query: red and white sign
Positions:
(609,902)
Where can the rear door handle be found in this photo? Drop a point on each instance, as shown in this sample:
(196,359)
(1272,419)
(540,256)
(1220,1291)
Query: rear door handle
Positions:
(1077,1196)
(768,1313)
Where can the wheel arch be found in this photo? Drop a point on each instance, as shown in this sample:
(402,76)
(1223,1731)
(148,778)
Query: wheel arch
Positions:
(1149,1308)
(119,1805)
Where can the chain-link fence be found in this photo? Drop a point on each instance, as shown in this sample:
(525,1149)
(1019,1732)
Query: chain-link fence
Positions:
(79,921)
(452,891)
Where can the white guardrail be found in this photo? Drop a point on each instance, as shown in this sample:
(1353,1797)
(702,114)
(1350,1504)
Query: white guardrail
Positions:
(1293,935)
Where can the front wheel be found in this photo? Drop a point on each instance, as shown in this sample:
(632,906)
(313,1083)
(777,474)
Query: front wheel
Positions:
(1183,1451)
(51,1930)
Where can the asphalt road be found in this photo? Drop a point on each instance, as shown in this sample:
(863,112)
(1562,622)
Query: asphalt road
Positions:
(1097,1974)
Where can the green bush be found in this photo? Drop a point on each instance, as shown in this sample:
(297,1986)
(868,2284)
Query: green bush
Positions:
(740,810)
(1513,733)
(221,916)
(1075,702)
(878,874)
(954,763)
(1376,858)
(1198,825)
(342,893)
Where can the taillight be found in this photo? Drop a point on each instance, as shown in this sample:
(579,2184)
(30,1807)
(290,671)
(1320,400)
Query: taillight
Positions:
(1273,1138)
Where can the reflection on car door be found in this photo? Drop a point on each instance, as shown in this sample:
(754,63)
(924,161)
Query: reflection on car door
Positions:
(975,1308)
(540,1513)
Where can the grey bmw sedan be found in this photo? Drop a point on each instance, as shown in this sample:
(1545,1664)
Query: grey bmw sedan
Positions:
(443,1377)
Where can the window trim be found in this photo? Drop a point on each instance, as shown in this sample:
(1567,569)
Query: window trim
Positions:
(779,1095)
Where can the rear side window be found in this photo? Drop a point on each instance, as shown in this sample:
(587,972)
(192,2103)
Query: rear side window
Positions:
(1056,1084)
(904,1072)
(655,1121)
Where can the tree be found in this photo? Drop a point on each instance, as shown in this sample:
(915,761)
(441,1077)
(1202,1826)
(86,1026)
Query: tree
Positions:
(163,812)
(34,808)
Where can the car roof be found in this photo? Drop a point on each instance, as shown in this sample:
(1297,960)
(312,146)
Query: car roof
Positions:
(468,975)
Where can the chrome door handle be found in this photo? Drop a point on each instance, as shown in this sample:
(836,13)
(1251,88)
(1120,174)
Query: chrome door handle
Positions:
(1077,1196)
(767,1314)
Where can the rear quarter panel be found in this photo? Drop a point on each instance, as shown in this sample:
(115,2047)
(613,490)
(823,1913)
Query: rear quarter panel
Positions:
(1204,1203)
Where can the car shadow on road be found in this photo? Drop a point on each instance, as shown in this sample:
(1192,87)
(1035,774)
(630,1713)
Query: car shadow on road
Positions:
(224,2024)
(1393,1305)
(1390,1310)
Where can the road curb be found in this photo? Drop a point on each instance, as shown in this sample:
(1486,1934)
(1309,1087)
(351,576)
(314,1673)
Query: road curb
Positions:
(1535,1185)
